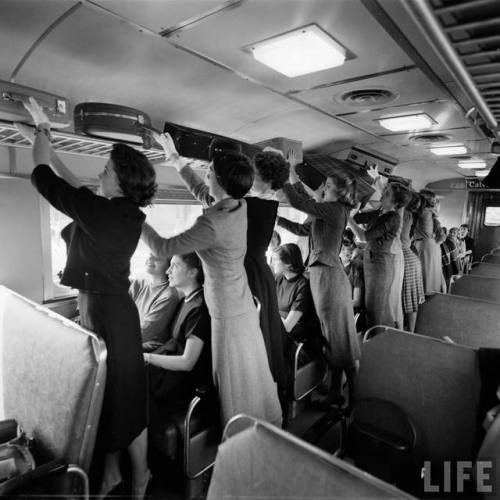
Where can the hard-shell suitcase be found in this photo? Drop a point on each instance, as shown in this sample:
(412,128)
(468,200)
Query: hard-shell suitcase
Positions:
(113,121)
(13,97)
(193,143)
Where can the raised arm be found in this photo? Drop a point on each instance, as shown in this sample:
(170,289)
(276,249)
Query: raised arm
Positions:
(192,180)
(43,153)
(294,227)
(200,236)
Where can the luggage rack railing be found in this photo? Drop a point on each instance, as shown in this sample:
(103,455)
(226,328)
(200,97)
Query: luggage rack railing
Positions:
(67,142)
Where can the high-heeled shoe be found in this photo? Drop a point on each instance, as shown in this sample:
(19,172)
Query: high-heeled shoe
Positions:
(139,491)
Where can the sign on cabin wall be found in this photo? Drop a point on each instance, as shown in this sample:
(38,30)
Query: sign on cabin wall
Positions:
(474,183)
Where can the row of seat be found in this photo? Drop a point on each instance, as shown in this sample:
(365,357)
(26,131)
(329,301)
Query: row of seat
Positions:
(420,398)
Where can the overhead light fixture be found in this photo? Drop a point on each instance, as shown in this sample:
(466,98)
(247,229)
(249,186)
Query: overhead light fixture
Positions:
(472,163)
(456,149)
(481,173)
(299,52)
(417,121)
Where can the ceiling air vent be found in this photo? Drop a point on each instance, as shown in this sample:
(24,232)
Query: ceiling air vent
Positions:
(368,97)
(429,138)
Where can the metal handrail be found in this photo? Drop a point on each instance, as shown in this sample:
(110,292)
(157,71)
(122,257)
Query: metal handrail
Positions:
(425,18)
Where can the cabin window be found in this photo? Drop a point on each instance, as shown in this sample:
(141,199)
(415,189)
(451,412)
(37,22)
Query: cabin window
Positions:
(167,219)
(58,254)
(492,216)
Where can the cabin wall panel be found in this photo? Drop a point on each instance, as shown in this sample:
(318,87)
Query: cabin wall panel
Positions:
(21,265)
(451,212)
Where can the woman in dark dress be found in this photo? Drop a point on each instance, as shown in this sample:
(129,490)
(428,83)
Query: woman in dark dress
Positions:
(295,302)
(271,173)
(330,286)
(183,363)
(101,240)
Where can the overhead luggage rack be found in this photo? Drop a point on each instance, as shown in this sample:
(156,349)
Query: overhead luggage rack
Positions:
(465,35)
(71,143)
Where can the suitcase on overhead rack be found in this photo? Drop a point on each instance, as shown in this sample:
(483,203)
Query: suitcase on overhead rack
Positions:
(193,143)
(13,97)
(113,121)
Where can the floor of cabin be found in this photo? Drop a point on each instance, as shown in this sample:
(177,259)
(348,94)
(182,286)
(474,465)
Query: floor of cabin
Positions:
(167,482)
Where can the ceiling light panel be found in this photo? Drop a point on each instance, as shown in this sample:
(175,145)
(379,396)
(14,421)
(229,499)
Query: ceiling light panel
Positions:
(417,121)
(472,164)
(300,52)
(456,149)
(481,173)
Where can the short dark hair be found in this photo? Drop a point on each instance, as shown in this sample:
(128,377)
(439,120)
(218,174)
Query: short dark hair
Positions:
(414,204)
(234,173)
(428,198)
(401,195)
(465,225)
(136,176)
(272,167)
(346,188)
(192,261)
(290,255)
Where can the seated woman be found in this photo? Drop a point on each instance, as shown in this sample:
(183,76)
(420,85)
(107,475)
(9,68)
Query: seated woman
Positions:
(295,302)
(184,361)
(352,259)
(156,302)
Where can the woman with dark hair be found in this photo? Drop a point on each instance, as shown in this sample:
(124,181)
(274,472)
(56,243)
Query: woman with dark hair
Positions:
(413,286)
(271,172)
(183,363)
(101,240)
(383,261)
(330,287)
(295,301)
(240,365)
(429,252)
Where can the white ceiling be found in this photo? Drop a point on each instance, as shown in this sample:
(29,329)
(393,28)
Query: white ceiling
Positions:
(200,76)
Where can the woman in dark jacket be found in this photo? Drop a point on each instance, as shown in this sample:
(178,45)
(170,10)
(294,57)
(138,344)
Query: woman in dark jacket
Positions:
(101,240)
(330,286)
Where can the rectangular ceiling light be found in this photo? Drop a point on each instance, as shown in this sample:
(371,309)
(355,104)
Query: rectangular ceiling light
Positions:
(299,52)
(456,149)
(481,173)
(472,164)
(418,121)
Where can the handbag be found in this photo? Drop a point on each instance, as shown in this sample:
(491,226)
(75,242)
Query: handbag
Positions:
(16,457)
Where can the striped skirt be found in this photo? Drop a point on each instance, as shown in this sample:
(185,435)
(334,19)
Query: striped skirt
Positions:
(413,285)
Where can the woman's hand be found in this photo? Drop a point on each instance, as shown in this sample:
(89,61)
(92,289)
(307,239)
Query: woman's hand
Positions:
(373,172)
(37,113)
(292,158)
(167,143)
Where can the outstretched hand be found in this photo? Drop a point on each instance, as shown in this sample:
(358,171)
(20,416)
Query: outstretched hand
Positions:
(292,158)
(37,113)
(167,143)
(373,172)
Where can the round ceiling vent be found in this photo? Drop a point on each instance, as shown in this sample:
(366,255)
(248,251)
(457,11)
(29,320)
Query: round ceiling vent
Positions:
(429,138)
(368,97)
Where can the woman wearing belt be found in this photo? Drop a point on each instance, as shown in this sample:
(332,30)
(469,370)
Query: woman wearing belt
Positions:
(330,286)
(429,252)
(101,240)
(383,261)
(219,236)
